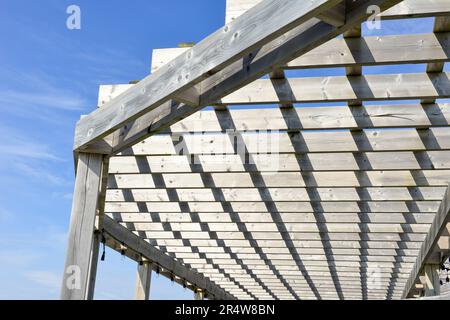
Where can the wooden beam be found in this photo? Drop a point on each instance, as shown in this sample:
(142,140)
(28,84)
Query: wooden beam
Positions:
(315,162)
(431,281)
(82,250)
(275,179)
(158,258)
(294,206)
(303,142)
(430,242)
(143,281)
(406,9)
(380,50)
(332,89)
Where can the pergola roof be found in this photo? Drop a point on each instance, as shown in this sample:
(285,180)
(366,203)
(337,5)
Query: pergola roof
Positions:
(295,201)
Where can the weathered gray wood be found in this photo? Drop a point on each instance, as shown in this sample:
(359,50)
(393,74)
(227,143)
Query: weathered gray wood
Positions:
(100,124)
(137,244)
(420,178)
(269,20)
(82,249)
(433,139)
(199,295)
(396,49)
(285,217)
(290,226)
(373,116)
(285,194)
(295,236)
(93,266)
(431,283)
(318,162)
(432,238)
(331,89)
(406,9)
(143,281)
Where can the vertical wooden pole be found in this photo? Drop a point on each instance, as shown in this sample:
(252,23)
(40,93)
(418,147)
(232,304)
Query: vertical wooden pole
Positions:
(143,281)
(93,266)
(199,295)
(431,283)
(82,248)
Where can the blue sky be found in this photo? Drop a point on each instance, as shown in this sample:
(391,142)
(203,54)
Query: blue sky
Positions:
(49,76)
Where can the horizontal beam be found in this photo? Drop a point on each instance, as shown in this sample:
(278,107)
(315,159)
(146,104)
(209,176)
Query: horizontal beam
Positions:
(249,245)
(266,217)
(280,194)
(376,50)
(337,88)
(326,141)
(132,241)
(312,118)
(419,178)
(293,206)
(291,227)
(295,236)
(403,10)
(316,162)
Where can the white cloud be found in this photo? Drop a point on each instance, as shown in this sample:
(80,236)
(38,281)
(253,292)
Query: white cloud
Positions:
(54,99)
(47,279)
(41,174)
(20,146)
(18,258)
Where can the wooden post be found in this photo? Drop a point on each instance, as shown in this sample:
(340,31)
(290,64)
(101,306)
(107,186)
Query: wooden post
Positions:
(143,281)
(82,249)
(93,266)
(431,284)
(199,295)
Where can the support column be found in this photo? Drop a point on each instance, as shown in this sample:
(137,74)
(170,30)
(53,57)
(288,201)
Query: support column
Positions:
(143,281)
(93,266)
(82,249)
(199,295)
(431,280)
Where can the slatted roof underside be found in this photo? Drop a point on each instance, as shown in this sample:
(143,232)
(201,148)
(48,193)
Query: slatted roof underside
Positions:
(332,202)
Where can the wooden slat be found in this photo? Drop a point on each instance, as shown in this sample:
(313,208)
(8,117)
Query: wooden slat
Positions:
(291,206)
(282,194)
(406,9)
(368,161)
(282,179)
(290,227)
(398,49)
(245,245)
(286,217)
(295,236)
(332,89)
(340,141)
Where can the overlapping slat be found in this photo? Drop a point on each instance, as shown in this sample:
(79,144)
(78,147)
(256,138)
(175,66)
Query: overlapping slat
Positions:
(304,202)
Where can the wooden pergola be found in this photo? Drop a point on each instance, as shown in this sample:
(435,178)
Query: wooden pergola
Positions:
(281,199)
